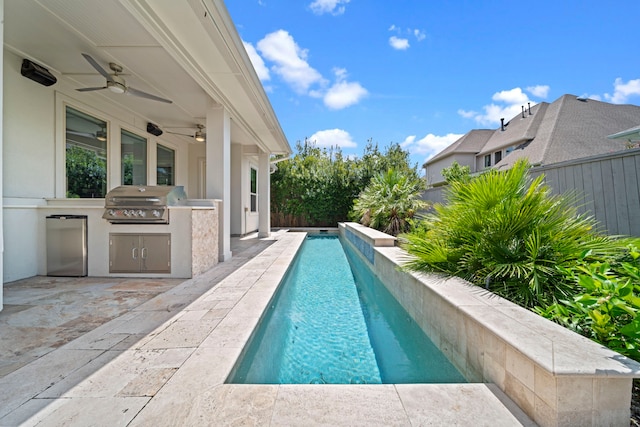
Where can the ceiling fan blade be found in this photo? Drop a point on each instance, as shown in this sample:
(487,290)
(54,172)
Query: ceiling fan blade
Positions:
(181,134)
(97,66)
(85,134)
(89,89)
(142,94)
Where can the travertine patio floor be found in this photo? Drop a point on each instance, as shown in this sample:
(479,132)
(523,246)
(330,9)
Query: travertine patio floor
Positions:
(118,352)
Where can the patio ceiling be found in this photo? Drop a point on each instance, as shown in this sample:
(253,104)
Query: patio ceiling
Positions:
(186,51)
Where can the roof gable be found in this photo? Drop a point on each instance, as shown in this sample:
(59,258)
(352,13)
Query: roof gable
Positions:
(568,128)
(574,128)
(471,142)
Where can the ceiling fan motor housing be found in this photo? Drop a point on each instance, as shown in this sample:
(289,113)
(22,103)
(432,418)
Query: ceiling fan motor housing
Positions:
(116,84)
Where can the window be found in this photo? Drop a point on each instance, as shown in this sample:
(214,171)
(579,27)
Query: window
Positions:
(165,166)
(254,190)
(85,155)
(134,159)
(487,160)
(497,157)
(508,150)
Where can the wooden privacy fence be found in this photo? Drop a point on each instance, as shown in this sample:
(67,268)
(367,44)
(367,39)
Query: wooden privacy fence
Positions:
(607,186)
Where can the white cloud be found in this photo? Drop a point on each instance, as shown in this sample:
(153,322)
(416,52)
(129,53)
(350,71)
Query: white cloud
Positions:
(290,63)
(419,35)
(334,7)
(429,145)
(467,114)
(540,91)
(343,94)
(513,96)
(401,41)
(256,60)
(333,138)
(398,43)
(507,104)
(290,60)
(623,91)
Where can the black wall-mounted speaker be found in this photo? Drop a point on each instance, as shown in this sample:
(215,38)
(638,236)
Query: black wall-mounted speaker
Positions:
(37,73)
(154,129)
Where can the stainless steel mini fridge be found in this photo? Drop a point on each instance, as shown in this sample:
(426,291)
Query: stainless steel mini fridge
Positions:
(67,245)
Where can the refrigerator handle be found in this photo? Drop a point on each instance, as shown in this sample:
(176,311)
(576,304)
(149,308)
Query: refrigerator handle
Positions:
(134,253)
(143,253)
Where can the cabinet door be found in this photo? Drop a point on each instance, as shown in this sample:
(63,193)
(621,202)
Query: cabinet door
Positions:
(155,253)
(124,253)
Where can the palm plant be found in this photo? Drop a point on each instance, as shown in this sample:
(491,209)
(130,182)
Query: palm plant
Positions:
(508,233)
(389,201)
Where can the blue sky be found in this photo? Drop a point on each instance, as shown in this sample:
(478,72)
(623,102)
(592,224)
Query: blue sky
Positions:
(423,73)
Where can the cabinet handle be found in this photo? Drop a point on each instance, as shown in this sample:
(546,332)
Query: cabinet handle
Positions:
(144,253)
(134,253)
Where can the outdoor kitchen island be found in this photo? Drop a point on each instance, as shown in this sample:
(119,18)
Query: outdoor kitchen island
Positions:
(191,234)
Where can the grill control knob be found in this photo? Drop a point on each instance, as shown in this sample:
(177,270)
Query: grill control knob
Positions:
(111,212)
(156,213)
(127,212)
(140,213)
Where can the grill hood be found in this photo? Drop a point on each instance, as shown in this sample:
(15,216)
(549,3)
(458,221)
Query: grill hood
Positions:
(135,204)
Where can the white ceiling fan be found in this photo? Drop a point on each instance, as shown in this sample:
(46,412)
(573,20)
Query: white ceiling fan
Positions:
(115,83)
(198,136)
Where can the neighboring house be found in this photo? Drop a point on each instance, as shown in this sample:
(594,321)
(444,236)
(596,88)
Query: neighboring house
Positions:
(568,128)
(184,51)
(631,137)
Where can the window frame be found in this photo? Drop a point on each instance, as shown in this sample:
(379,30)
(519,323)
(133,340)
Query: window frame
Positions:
(147,150)
(487,160)
(253,189)
(62,183)
(174,165)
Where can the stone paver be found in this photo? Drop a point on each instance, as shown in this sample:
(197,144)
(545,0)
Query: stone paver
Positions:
(165,363)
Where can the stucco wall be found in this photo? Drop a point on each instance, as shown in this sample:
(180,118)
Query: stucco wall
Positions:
(434,171)
(33,162)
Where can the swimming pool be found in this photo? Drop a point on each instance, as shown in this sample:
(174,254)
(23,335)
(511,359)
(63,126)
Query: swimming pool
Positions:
(332,321)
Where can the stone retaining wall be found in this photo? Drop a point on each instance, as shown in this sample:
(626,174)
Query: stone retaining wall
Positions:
(556,376)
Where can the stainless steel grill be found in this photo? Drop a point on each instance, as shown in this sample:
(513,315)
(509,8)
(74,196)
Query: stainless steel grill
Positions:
(133,204)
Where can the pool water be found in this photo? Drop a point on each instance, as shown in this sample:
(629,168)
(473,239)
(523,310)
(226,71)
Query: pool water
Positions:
(332,321)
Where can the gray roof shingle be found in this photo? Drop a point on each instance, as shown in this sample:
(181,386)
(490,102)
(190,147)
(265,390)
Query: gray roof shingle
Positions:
(566,129)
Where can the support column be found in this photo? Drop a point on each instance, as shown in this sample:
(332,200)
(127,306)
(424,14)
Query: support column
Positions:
(218,173)
(264,195)
(1,160)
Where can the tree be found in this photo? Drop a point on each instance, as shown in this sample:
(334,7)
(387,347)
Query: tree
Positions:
(86,173)
(317,186)
(389,201)
(456,173)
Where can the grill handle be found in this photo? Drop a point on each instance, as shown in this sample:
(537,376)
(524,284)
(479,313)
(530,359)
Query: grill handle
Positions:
(134,199)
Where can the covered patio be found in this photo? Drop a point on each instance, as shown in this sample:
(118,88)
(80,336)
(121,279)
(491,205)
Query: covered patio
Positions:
(158,93)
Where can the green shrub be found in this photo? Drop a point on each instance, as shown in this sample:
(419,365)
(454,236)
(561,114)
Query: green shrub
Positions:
(508,233)
(606,307)
(389,201)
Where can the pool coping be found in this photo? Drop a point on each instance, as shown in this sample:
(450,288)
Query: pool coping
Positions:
(555,375)
(175,374)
